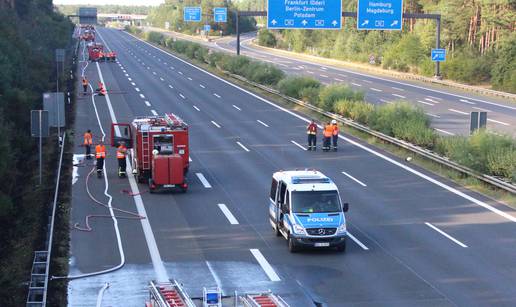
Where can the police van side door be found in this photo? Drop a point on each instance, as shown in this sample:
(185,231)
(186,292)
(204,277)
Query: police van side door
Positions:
(273,208)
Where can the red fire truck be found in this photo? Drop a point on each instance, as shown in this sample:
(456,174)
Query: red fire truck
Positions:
(95,51)
(160,156)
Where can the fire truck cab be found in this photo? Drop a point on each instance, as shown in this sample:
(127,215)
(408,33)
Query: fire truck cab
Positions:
(159,154)
(94,51)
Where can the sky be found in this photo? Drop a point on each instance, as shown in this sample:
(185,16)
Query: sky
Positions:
(101,2)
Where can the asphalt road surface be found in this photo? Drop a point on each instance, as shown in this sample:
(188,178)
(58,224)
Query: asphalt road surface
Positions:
(448,108)
(415,238)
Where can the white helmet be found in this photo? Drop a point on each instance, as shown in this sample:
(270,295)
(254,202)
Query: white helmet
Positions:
(333,122)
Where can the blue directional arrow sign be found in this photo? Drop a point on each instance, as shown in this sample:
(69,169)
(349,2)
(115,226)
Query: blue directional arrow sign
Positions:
(304,14)
(220,14)
(207,28)
(380,14)
(438,55)
(192,14)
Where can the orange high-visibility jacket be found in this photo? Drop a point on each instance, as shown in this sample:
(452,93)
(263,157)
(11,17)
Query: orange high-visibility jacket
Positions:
(311,129)
(84,81)
(328,131)
(121,151)
(335,129)
(88,138)
(100,151)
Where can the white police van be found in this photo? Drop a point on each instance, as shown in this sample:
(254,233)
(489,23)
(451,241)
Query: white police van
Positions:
(306,209)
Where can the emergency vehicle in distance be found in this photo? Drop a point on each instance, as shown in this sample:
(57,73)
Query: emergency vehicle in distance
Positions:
(160,155)
(305,208)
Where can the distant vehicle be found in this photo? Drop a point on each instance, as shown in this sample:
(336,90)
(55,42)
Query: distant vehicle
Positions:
(306,209)
(95,52)
(160,156)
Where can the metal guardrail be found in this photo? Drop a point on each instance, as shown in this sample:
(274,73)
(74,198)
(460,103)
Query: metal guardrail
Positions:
(38,286)
(501,184)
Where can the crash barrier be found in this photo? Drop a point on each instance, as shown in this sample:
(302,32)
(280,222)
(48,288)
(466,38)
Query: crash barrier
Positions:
(38,285)
(428,154)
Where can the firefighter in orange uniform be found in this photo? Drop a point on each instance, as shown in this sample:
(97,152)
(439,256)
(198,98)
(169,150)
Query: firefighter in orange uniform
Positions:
(121,152)
(84,85)
(335,135)
(327,134)
(311,131)
(101,90)
(100,155)
(88,140)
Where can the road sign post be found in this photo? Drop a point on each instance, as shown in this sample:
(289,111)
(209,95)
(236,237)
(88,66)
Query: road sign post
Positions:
(295,14)
(39,128)
(380,15)
(478,120)
(220,14)
(192,14)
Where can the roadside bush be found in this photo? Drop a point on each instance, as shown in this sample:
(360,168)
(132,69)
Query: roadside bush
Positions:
(310,94)
(504,68)
(293,86)
(332,93)
(263,73)
(467,66)
(356,110)
(266,38)
(155,37)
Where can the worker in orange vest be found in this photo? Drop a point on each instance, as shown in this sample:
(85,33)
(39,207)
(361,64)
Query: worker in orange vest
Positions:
(311,131)
(327,134)
(85,84)
(88,140)
(100,155)
(121,152)
(335,135)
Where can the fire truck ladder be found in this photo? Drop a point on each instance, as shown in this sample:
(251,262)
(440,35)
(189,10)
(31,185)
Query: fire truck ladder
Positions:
(262,299)
(146,151)
(169,294)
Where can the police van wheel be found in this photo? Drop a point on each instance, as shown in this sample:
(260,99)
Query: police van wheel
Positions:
(341,248)
(292,247)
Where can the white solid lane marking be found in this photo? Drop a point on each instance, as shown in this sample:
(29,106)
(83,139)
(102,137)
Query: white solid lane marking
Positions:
(216,95)
(427,103)
(234,106)
(323,68)
(136,89)
(141,95)
(243,147)
(215,124)
(231,218)
(267,268)
(356,84)
(182,96)
(202,86)
(170,85)
(357,241)
(154,112)
(433,115)
(354,143)
(354,179)
(375,89)
(397,88)
(433,97)
(446,235)
(147,103)
(498,122)
(457,111)
(338,80)
(343,75)
(444,131)
(298,145)
(432,101)
(195,107)
(324,76)
(189,78)
(399,96)
(203,180)
(466,101)
(264,124)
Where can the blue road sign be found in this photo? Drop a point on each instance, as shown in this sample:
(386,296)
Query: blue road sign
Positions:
(192,14)
(304,14)
(220,14)
(438,55)
(207,28)
(380,14)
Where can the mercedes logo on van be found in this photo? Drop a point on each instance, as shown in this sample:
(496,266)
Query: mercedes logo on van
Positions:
(321,231)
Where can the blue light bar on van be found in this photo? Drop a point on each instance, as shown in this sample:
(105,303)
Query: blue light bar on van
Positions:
(301,180)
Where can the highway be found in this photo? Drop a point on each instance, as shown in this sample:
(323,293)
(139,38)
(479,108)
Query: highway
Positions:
(447,107)
(415,238)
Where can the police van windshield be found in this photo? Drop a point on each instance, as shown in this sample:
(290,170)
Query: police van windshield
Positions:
(315,202)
